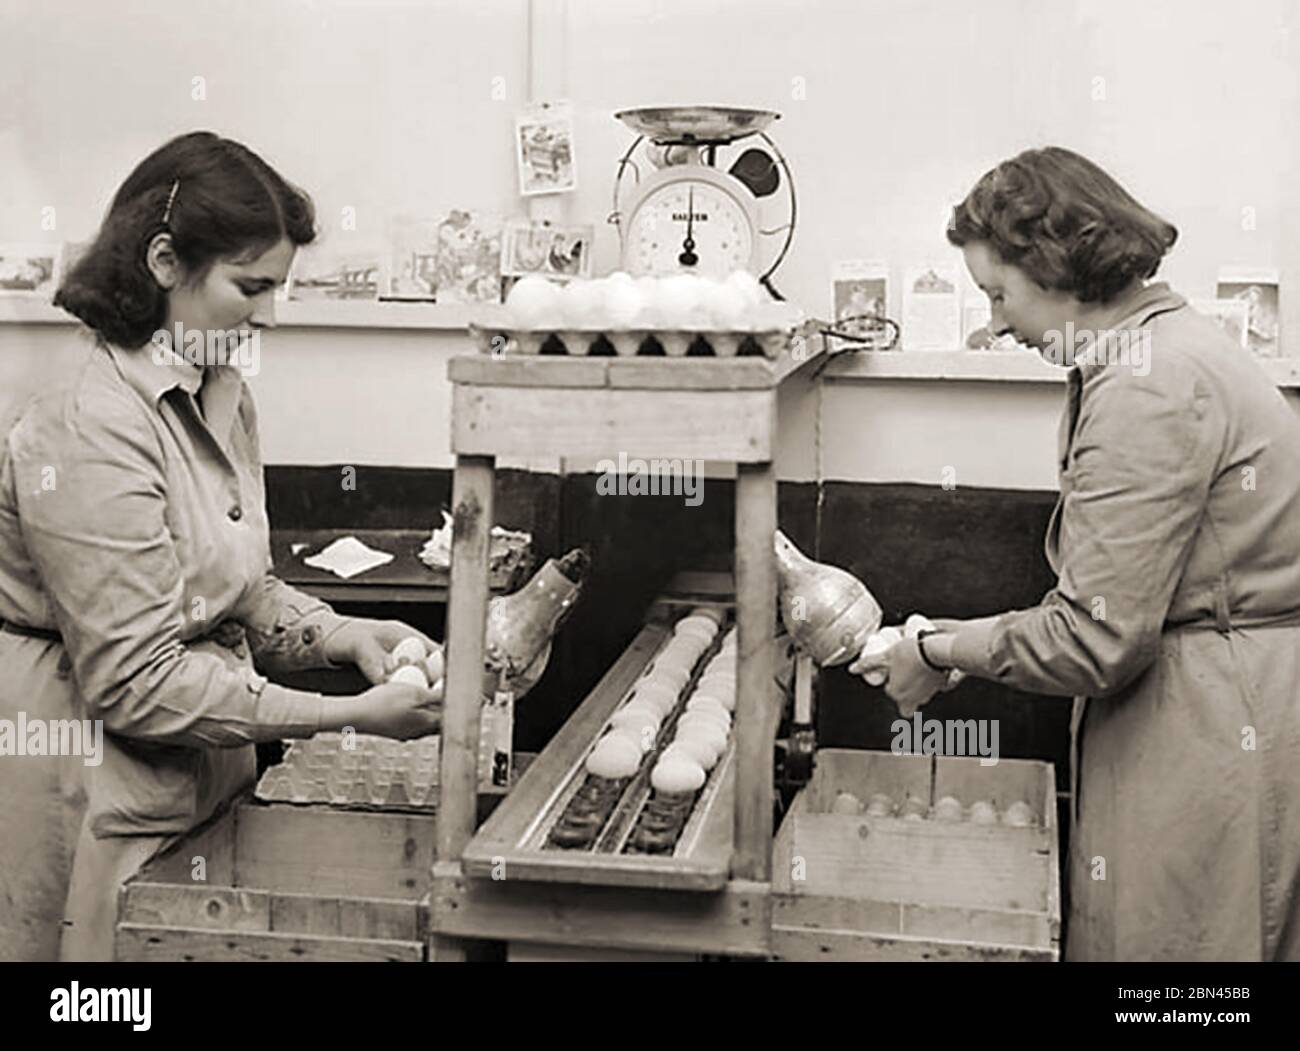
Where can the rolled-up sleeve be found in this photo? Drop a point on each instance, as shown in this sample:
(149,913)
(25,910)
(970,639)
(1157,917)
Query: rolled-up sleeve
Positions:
(1142,462)
(92,495)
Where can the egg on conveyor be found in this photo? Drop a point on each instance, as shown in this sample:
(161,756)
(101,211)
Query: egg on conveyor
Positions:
(846,803)
(710,706)
(983,813)
(534,303)
(614,757)
(1019,815)
(697,748)
(412,674)
(948,809)
(641,743)
(673,676)
(698,718)
(697,624)
(661,697)
(677,775)
(408,651)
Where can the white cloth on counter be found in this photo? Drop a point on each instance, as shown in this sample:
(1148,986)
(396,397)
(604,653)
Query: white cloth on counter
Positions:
(346,557)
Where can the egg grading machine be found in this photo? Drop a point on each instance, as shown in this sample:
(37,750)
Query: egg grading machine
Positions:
(687,408)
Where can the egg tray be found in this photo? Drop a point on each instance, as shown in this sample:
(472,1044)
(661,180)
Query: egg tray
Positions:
(626,816)
(375,773)
(1016,814)
(645,343)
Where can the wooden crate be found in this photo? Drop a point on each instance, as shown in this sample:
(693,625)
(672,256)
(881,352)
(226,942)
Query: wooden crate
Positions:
(285,882)
(860,887)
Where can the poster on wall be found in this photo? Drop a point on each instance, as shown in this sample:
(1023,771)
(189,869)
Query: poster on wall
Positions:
(554,251)
(29,270)
(1257,287)
(931,308)
(544,149)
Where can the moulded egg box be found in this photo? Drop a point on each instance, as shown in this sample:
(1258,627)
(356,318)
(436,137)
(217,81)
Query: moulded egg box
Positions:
(633,343)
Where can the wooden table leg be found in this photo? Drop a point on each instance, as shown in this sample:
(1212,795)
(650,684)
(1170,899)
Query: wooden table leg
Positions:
(472,492)
(755,718)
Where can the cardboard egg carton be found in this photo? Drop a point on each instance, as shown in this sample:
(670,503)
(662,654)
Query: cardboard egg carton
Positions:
(355,771)
(770,335)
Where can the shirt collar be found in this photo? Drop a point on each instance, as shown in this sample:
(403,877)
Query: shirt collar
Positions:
(154,369)
(1132,313)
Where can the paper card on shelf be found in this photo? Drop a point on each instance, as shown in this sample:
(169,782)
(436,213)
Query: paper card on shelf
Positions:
(541,247)
(859,293)
(1231,315)
(336,270)
(29,270)
(544,148)
(1258,288)
(346,557)
(931,308)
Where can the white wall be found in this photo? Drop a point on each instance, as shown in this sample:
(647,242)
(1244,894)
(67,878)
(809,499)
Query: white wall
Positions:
(387,106)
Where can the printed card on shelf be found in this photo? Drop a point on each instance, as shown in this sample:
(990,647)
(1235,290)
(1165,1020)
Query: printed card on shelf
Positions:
(29,270)
(1258,288)
(533,247)
(860,296)
(931,308)
(335,271)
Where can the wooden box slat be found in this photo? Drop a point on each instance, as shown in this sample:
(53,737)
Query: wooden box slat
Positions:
(146,944)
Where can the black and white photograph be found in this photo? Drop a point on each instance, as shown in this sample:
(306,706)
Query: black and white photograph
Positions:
(857,522)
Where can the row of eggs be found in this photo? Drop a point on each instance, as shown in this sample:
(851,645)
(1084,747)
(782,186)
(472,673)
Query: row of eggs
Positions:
(634,728)
(701,733)
(949,809)
(622,302)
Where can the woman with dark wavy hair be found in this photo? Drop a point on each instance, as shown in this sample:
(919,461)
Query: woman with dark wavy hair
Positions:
(1175,620)
(134,557)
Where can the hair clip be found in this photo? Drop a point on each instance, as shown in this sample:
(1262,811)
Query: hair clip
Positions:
(171,198)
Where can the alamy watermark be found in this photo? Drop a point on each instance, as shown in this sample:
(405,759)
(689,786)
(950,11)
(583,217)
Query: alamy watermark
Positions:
(971,737)
(203,348)
(24,736)
(633,477)
(1115,348)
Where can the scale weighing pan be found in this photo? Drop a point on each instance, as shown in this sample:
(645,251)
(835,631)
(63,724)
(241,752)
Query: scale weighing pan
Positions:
(696,125)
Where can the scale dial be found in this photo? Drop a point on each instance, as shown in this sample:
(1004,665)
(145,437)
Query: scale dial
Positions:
(692,222)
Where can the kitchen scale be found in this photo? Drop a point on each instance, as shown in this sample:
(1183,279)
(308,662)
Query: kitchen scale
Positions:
(697,210)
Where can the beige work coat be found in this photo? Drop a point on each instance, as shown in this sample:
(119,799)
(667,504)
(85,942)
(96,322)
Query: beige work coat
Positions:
(1176,624)
(133,524)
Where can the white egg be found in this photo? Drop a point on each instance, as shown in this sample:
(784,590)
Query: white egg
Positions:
(408,651)
(641,742)
(1019,815)
(702,626)
(698,748)
(679,302)
(891,635)
(745,283)
(948,809)
(846,803)
(435,666)
(705,727)
(614,757)
(625,304)
(674,677)
(709,705)
(677,776)
(582,304)
(728,307)
(661,697)
(636,718)
(881,805)
(534,303)
(983,813)
(410,673)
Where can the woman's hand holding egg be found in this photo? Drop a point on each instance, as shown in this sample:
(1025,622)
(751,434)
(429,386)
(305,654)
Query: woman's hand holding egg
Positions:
(369,645)
(892,660)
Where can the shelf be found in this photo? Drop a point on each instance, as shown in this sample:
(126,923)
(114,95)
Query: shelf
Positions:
(988,366)
(367,314)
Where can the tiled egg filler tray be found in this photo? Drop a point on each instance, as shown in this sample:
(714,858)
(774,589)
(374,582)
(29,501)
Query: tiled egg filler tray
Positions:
(374,772)
(633,343)
(626,815)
